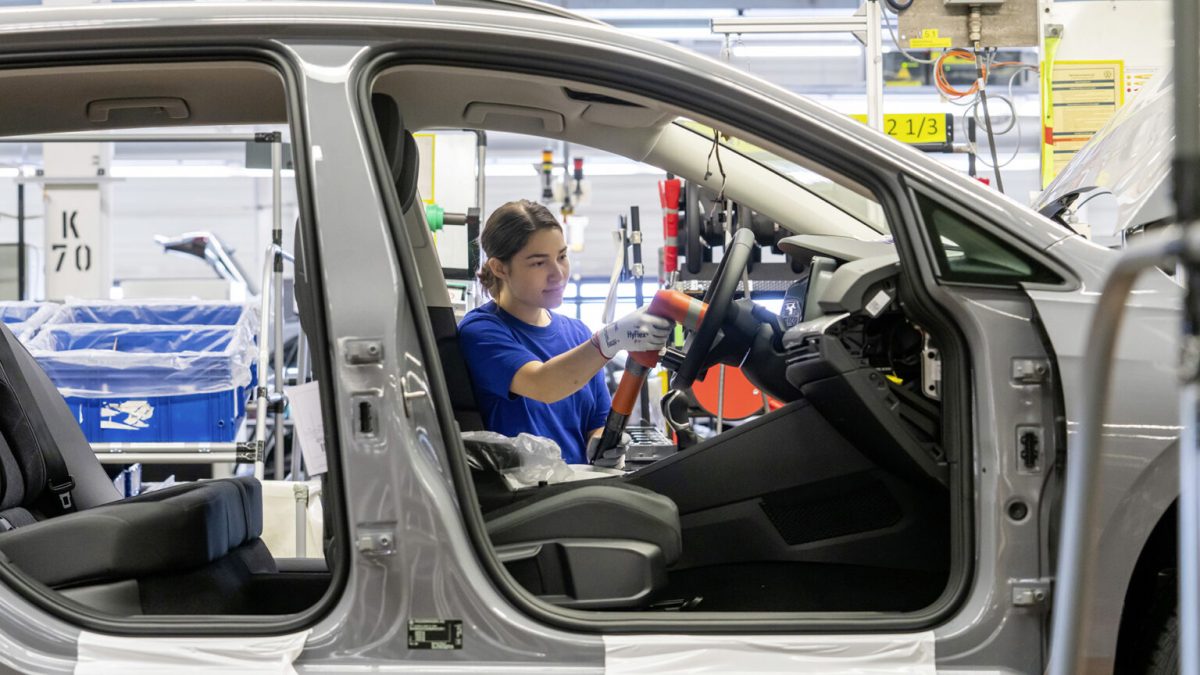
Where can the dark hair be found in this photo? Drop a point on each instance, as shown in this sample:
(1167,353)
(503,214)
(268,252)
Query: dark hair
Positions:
(507,231)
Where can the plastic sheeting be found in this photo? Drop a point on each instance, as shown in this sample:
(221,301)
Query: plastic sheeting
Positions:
(24,317)
(105,654)
(156,312)
(911,654)
(1131,156)
(92,360)
(523,461)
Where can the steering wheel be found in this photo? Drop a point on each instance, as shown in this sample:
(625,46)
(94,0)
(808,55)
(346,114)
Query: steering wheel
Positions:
(718,298)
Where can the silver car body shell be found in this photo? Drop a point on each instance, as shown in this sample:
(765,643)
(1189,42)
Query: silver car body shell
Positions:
(397,478)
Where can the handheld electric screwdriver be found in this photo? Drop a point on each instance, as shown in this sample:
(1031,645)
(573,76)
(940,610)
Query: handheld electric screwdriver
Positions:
(672,305)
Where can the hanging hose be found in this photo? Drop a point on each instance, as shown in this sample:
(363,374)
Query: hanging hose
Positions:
(981,83)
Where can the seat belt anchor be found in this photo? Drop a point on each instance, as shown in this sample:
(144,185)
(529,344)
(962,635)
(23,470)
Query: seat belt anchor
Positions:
(63,490)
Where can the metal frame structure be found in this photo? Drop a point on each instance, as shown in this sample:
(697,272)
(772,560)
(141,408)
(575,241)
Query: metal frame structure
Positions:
(867,27)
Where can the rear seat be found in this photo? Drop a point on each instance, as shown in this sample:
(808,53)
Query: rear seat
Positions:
(183,527)
(100,538)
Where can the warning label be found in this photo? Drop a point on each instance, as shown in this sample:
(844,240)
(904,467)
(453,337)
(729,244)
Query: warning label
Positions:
(1084,95)
(435,634)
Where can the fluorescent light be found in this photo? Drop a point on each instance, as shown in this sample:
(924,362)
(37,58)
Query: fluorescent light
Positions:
(192,171)
(672,33)
(796,51)
(634,14)
(590,169)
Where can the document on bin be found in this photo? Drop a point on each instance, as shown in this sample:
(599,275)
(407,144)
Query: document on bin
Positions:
(308,427)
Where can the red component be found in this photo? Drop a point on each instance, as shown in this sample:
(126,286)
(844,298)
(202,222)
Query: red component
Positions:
(631,385)
(742,399)
(671,233)
(668,197)
(1048,135)
(668,193)
(985,180)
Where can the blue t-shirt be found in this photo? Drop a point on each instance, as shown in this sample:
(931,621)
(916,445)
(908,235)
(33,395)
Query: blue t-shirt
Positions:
(496,345)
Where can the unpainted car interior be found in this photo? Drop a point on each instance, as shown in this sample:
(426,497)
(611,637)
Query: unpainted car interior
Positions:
(852,518)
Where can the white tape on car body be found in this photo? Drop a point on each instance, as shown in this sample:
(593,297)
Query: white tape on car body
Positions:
(909,653)
(108,654)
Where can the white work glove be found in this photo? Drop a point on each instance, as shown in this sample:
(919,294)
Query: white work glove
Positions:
(635,332)
(613,458)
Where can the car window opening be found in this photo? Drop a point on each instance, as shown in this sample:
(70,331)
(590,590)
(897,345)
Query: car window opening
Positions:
(834,479)
(147,513)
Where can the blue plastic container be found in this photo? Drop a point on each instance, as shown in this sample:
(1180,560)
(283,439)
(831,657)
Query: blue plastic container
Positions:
(131,383)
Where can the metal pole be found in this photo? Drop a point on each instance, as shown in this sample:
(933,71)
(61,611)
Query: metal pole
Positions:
(1186,174)
(301,378)
(721,400)
(300,493)
(874,65)
(274,254)
(1073,591)
(277,289)
(1189,525)
(263,400)
(480,167)
(20,241)
(134,138)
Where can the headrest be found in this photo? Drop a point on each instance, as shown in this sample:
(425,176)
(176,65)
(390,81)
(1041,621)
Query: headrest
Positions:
(400,148)
(406,182)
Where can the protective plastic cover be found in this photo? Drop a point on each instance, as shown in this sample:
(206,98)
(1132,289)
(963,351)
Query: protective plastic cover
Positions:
(24,317)
(92,360)
(129,655)
(910,654)
(156,312)
(523,461)
(1131,156)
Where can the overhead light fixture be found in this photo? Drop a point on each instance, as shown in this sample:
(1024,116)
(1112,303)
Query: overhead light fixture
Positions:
(519,170)
(676,14)
(796,51)
(670,33)
(192,171)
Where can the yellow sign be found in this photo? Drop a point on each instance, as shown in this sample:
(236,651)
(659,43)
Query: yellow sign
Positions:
(918,128)
(1081,98)
(929,40)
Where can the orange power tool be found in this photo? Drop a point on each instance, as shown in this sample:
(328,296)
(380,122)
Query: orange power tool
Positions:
(672,305)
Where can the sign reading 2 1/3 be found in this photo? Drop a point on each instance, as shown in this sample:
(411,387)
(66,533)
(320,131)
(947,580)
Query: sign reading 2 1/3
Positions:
(74,252)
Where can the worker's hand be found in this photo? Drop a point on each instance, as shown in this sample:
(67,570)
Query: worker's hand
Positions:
(613,458)
(637,331)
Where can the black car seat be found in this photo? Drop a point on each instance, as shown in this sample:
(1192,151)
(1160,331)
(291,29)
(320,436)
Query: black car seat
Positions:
(597,545)
(62,522)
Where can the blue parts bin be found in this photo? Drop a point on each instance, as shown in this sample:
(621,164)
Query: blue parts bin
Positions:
(25,317)
(154,377)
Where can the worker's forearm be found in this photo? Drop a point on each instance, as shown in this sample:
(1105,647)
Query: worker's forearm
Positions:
(559,377)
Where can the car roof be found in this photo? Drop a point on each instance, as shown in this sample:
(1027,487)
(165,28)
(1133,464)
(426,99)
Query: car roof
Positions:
(127,24)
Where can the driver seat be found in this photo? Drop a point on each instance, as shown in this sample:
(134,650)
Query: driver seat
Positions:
(593,545)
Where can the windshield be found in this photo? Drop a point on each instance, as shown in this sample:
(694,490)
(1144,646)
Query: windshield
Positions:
(846,195)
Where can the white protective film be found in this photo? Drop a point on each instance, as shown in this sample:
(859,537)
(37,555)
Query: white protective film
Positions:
(910,653)
(109,655)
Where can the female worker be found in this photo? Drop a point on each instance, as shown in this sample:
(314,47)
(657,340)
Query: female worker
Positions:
(535,371)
